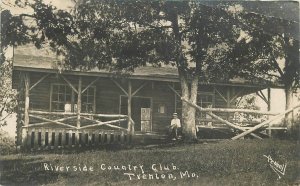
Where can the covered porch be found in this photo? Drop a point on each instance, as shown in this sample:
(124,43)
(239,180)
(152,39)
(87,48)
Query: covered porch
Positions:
(65,110)
(69,119)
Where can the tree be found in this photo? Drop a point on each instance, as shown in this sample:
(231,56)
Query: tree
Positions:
(185,34)
(7,95)
(268,40)
(200,39)
(14,32)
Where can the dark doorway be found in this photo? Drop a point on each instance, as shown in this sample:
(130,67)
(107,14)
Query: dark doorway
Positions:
(137,103)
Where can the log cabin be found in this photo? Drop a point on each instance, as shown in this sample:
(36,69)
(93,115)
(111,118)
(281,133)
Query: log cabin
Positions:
(66,108)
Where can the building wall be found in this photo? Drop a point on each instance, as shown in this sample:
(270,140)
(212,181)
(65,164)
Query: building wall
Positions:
(108,95)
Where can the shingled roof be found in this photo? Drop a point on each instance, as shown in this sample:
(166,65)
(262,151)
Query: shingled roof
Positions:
(28,58)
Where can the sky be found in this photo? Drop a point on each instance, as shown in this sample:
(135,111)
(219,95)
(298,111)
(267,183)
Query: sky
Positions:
(277,95)
(61,4)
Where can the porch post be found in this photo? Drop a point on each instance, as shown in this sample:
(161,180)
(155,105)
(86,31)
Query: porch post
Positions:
(26,107)
(24,137)
(79,101)
(130,126)
(78,108)
(269,108)
(228,100)
(175,98)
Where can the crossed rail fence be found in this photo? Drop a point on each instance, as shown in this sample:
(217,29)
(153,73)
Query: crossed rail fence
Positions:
(52,130)
(59,130)
(244,130)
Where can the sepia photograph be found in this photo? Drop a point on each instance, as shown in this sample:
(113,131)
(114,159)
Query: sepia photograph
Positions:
(149,92)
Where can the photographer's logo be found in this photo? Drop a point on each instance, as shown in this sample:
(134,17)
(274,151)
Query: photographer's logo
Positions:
(279,169)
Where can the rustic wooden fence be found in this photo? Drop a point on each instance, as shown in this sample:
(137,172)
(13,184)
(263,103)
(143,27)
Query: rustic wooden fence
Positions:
(244,130)
(60,130)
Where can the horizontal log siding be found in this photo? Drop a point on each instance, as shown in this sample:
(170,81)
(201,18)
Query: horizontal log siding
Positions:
(108,96)
(39,96)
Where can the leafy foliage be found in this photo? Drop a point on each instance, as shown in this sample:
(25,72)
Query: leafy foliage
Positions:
(13,30)
(126,34)
(7,94)
(7,143)
(268,40)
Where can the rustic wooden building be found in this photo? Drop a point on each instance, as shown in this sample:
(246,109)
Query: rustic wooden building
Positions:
(65,108)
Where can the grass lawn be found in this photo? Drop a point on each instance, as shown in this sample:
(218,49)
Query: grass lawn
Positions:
(226,162)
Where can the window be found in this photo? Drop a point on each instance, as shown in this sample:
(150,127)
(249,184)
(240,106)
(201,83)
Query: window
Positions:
(205,100)
(88,98)
(61,95)
(65,99)
(162,109)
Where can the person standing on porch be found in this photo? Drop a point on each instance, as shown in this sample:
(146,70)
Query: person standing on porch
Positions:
(175,126)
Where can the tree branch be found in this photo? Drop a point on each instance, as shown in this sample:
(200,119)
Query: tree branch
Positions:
(2,119)
(26,15)
(156,27)
(4,105)
(273,75)
(277,67)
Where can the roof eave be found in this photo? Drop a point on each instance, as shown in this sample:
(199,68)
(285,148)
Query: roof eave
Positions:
(173,78)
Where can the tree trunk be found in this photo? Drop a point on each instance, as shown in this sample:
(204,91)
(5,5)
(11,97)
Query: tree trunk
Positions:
(289,104)
(188,112)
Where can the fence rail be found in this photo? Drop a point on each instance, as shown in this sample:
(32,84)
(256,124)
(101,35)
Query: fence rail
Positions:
(64,117)
(55,130)
(74,114)
(245,131)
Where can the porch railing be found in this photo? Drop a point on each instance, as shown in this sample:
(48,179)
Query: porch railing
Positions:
(51,130)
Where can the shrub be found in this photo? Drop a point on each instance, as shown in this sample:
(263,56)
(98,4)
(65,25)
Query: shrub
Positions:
(7,143)
(295,131)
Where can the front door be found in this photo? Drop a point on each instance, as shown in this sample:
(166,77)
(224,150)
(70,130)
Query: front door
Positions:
(146,119)
(141,112)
